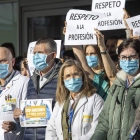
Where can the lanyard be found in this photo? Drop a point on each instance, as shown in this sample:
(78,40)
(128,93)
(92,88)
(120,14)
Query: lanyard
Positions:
(70,118)
(1,91)
(134,132)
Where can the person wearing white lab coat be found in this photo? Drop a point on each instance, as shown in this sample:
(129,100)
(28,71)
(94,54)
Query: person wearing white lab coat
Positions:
(75,115)
(13,88)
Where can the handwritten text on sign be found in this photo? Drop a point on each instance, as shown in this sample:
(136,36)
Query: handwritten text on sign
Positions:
(113,11)
(35,111)
(134,23)
(80,27)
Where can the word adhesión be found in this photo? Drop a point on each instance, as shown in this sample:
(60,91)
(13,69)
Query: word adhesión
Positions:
(80,36)
(110,22)
(110,4)
(78,16)
(136,24)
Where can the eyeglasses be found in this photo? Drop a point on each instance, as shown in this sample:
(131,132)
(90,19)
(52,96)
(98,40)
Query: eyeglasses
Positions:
(131,57)
(74,75)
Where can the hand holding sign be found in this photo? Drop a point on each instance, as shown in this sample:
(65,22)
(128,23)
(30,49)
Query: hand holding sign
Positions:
(101,42)
(64,29)
(134,23)
(135,36)
(126,16)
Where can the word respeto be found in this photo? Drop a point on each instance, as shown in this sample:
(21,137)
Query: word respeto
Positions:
(136,24)
(78,16)
(110,4)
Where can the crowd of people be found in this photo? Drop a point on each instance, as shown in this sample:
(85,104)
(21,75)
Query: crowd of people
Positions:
(95,89)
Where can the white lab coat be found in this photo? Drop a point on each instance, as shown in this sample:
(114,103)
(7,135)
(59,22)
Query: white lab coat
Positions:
(17,88)
(84,121)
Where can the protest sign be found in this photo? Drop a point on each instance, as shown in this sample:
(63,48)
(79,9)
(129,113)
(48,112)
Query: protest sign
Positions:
(113,11)
(134,23)
(36,112)
(80,27)
(30,54)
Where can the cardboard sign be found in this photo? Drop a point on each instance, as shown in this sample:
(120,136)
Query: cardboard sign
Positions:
(113,11)
(30,54)
(37,112)
(80,27)
(134,23)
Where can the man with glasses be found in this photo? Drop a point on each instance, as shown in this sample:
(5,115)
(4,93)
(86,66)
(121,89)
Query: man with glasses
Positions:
(43,83)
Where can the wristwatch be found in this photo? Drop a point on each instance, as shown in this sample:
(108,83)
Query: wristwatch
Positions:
(105,52)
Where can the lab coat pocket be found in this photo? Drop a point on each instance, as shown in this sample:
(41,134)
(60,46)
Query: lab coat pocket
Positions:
(87,120)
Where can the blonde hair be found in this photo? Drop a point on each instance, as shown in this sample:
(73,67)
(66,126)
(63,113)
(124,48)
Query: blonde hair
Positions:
(62,92)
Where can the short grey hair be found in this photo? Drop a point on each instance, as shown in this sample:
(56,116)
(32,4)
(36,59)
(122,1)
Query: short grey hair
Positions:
(50,41)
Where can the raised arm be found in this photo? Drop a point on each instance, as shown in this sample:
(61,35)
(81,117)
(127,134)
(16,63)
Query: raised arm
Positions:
(129,32)
(80,56)
(109,65)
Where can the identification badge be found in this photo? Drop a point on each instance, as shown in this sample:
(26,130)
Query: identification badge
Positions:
(6,108)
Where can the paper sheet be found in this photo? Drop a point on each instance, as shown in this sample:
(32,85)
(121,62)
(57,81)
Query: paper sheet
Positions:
(113,11)
(80,27)
(37,112)
(134,23)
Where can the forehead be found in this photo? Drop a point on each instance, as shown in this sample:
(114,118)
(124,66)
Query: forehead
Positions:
(111,41)
(70,69)
(3,54)
(128,52)
(42,47)
(90,48)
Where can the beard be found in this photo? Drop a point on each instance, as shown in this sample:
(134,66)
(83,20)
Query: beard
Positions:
(112,52)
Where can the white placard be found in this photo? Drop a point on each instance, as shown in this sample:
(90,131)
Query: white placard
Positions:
(113,11)
(134,23)
(36,112)
(30,54)
(80,27)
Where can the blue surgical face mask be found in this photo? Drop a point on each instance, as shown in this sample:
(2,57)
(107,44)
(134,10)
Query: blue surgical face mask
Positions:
(74,84)
(129,66)
(92,61)
(4,70)
(39,61)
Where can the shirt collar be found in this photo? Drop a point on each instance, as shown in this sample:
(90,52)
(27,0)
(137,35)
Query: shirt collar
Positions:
(8,79)
(47,74)
(127,82)
(76,97)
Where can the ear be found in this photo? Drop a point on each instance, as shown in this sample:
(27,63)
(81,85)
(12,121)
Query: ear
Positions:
(13,61)
(54,55)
